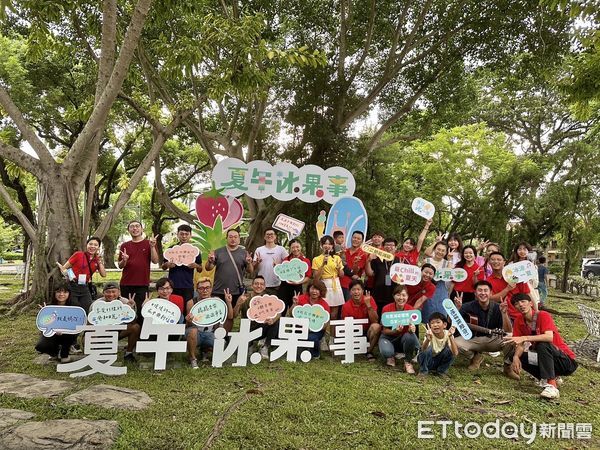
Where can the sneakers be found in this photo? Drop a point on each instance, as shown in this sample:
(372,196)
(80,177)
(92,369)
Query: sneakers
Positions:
(65,360)
(391,361)
(74,350)
(543,382)
(476,361)
(550,392)
(264,352)
(409,368)
(194,363)
(510,373)
(399,355)
(129,358)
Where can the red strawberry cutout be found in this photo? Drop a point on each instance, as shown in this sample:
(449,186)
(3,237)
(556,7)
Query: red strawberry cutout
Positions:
(211,204)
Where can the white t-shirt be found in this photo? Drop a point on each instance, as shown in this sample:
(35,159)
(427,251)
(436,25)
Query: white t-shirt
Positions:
(270,257)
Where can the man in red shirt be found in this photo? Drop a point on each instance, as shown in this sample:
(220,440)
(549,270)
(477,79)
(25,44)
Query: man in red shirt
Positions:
(362,306)
(135,257)
(356,260)
(539,347)
(500,287)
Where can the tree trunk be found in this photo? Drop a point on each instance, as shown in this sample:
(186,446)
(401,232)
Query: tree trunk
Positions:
(57,239)
(110,249)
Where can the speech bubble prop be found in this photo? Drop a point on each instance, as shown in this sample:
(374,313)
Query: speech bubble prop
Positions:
(394,318)
(317,316)
(110,313)
(448,274)
(64,319)
(423,208)
(457,319)
(293,270)
(347,215)
(383,256)
(405,274)
(160,311)
(183,254)
(290,226)
(284,181)
(263,307)
(209,312)
(519,272)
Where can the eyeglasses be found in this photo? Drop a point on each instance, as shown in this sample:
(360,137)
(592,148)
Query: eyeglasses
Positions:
(204,288)
(165,288)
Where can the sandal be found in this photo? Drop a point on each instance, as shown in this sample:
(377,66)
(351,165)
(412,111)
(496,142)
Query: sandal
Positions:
(370,356)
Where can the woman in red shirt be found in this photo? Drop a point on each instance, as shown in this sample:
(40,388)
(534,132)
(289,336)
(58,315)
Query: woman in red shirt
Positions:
(84,265)
(409,254)
(466,287)
(287,289)
(317,291)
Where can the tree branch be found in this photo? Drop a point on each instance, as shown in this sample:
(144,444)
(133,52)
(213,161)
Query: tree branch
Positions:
(23,220)
(38,146)
(21,159)
(97,121)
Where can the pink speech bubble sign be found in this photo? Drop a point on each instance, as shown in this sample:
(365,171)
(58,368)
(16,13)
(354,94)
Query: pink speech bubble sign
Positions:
(265,307)
(183,254)
(405,274)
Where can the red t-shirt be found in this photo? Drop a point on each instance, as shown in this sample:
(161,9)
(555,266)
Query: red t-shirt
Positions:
(411,257)
(499,283)
(79,264)
(391,307)
(467,285)
(349,309)
(304,299)
(417,291)
(361,255)
(306,260)
(544,323)
(137,270)
(177,300)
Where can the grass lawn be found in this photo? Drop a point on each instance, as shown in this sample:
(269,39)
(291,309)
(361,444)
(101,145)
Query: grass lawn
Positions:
(322,404)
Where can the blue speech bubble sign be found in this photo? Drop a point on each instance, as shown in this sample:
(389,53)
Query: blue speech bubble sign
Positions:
(62,319)
(317,316)
(394,318)
(457,319)
(209,312)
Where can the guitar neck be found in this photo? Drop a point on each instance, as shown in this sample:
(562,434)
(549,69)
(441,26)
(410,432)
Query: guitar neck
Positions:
(487,331)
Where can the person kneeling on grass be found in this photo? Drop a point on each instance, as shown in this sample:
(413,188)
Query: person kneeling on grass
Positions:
(202,337)
(112,292)
(317,291)
(539,348)
(362,306)
(401,339)
(59,344)
(439,348)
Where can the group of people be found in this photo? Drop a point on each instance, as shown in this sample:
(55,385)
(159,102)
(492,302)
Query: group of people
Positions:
(347,282)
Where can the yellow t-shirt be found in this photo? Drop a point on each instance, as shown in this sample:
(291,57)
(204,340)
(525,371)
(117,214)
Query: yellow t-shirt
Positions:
(331,270)
(438,344)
